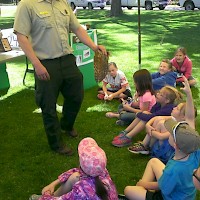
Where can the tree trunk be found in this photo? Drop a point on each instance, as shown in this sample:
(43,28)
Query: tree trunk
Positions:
(116,9)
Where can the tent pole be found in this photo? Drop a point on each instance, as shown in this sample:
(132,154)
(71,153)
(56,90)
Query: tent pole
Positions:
(139,37)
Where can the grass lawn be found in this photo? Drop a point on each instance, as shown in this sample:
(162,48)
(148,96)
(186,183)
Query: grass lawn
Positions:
(26,163)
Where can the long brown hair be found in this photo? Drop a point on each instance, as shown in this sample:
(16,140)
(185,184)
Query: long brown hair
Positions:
(143,81)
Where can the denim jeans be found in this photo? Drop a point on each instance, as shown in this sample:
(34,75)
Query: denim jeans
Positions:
(126,116)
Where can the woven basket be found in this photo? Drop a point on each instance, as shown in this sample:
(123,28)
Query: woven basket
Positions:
(100,66)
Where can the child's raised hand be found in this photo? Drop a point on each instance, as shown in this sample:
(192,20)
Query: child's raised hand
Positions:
(186,87)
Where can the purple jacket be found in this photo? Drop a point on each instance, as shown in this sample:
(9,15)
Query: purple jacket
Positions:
(156,110)
(84,189)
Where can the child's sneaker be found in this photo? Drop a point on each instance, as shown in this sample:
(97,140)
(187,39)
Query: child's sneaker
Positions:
(35,197)
(101,96)
(122,141)
(121,134)
(138,148)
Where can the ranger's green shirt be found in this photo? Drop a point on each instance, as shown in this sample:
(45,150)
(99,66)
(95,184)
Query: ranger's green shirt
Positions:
(47,24)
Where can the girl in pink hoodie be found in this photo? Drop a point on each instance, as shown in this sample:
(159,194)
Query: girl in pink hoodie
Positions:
(183,65)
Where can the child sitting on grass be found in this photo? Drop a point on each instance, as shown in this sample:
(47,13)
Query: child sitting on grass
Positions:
(156,131)
(165,100)
(183,66)
(165,75)
(145,95)
(119,86)
(174,180)
(90,181)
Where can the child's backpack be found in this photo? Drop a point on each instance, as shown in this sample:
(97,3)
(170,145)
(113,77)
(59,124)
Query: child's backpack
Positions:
(163,152)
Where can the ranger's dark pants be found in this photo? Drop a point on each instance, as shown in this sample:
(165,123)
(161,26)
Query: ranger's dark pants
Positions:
(65,77)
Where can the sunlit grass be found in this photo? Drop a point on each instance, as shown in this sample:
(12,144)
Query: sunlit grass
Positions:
(16,72)
(102,107)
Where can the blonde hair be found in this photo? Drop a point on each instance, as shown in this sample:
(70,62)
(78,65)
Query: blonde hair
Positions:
(172,68)
(173,95)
